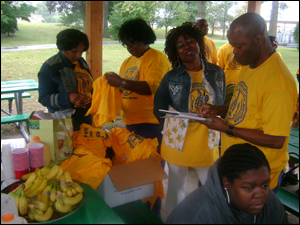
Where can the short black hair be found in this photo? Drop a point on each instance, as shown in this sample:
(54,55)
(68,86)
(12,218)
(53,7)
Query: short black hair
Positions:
(172,37)
(70,38)
(138,30)
(240,158)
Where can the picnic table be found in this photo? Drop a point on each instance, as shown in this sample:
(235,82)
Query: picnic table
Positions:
(293,146)
(18,87)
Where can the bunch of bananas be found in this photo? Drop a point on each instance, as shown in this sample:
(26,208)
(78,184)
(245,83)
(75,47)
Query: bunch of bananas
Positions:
(52,187)
(39,211)
(20,199)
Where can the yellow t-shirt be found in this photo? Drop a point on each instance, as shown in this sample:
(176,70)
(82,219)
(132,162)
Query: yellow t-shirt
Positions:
(264,99)
(211,50)
(85,83)
(151,67)
(226,61)
(195,151)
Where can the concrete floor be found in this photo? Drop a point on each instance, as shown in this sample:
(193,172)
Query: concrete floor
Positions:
(192,184)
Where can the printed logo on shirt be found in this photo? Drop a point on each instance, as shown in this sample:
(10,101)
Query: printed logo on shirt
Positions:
(134,139)
(238,105)
(130,74)
(198,97)
(232,63)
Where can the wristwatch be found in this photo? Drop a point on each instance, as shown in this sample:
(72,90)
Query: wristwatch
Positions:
(122,87)
(229,131)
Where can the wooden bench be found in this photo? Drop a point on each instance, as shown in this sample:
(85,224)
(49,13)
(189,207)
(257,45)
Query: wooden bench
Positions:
(10,98)
(289,200)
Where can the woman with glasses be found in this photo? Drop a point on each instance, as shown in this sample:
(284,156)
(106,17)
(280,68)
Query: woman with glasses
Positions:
(139,77)
(191,83)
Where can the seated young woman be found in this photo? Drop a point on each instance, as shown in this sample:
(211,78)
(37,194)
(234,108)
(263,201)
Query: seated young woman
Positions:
(236,191)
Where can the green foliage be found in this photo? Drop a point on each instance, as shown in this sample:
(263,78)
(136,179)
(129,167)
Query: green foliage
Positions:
(49,17)
(296,34)
(174,14)
(10,11)
(124,11)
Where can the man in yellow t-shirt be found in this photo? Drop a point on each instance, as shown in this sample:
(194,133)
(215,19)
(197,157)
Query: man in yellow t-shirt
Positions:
(264,99)
(211,49)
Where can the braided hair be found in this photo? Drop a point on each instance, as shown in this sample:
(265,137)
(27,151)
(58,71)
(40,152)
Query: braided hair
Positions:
(172,37)
(240,158)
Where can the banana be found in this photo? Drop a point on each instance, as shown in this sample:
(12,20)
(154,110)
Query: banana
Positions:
(73,189)
(59,173)
(53,193)
(69,192)
(78,188)
(72,200)
(63,184)
(39,197)
(51,175)
(23,204)
(30,179)
(36,191)
(31,211)
(68,177)
(44,217)
(35,185)
(46,194)
(46,169)
(40,205)
(60,206)
(38,172)
(16,195)
(26,176)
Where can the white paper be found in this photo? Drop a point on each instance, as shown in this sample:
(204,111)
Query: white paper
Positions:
(182,115)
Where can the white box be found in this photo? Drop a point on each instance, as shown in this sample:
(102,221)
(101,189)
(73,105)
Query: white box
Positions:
(131,181)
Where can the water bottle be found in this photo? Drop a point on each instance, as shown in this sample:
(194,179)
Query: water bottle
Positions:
(7,163)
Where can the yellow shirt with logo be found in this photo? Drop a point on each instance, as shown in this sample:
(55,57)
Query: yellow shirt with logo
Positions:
(211,50)
(226,61)
(151,67)
(85,83)
(264,99)
(195,151)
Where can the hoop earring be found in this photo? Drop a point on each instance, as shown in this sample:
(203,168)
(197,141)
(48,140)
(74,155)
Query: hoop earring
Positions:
(227,194)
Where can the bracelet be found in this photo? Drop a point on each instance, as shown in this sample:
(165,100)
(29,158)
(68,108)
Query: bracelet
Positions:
(122,87)
(229,131)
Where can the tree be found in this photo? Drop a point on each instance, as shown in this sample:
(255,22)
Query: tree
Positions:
(201,9)
(72,13)
(296,34)
(126,10)
(241,10)
(274,16)
(213,15)
(10,11)
(225,6)
(48,16)
(174,14)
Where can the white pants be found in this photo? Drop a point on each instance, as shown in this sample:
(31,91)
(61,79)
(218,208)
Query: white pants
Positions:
(177,183)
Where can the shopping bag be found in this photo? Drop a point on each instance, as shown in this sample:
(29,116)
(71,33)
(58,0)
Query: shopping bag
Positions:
(57,133)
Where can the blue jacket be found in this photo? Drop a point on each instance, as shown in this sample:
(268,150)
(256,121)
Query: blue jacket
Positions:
(175,88)
(56,81)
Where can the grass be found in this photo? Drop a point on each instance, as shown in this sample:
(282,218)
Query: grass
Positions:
(17,65)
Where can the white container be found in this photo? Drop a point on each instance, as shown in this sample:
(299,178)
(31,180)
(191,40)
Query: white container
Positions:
(7,163)
(9,218)
(9,211)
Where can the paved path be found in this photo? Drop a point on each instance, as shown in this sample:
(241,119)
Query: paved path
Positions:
(46,46)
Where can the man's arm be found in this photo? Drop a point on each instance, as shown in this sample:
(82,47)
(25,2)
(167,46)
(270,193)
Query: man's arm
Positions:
(256,137)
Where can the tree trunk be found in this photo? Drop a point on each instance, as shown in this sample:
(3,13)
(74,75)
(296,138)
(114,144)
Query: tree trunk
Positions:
(105,18)
(201,9)
(166,31)
(273,21)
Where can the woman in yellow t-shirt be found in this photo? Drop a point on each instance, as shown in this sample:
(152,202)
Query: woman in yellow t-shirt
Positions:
(192,82)
(139,77)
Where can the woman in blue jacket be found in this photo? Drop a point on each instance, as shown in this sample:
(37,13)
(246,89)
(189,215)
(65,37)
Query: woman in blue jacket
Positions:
(192,82)
(65,80)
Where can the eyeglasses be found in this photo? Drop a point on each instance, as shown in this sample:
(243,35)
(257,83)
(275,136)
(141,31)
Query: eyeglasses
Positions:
(129,44)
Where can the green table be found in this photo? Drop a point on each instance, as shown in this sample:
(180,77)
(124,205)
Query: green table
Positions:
(136,213)
(293,146)
(18,87)
(93,211)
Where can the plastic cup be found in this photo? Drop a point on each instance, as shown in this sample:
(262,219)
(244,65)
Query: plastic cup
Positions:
(20,161)
(36,156)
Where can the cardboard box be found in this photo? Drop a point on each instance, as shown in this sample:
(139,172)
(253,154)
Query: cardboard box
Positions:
(131,181)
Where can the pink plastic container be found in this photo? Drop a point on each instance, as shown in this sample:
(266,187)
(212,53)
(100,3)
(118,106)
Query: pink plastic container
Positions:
(20,162)
(36,156)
